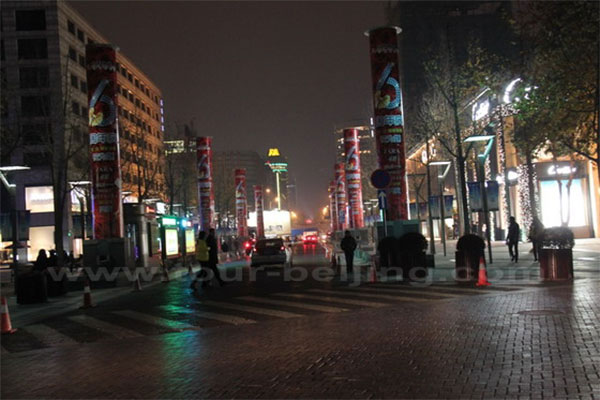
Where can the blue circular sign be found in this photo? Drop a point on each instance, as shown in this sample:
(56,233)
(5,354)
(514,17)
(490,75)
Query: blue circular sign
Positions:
(380,179)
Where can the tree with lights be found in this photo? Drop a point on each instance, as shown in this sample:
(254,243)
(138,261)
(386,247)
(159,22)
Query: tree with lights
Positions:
(458,79)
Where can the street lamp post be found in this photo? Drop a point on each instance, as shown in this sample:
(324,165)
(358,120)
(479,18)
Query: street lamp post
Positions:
(482,158)
(441,180)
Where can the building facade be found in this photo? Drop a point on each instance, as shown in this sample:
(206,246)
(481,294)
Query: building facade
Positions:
(45,117)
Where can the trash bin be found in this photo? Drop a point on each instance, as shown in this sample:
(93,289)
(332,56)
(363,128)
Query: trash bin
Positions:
(413,259)
(469,249)
(31,288)
(56,281)
(556,254)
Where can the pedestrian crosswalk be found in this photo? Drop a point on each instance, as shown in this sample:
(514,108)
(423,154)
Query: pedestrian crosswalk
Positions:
(200,314)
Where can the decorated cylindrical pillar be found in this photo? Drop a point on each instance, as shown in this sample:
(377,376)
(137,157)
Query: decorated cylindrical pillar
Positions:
(388,120)
(241,202)
(205,186)
(353,183)
(105,164)
(333,215)
(340,196)
(259,206)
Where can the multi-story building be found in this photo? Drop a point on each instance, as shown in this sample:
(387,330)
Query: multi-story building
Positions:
(45,114)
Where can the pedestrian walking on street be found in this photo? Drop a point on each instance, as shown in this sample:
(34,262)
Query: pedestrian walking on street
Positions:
(348,245)
(535,235)
(202,257)
(213,255)
(512,239)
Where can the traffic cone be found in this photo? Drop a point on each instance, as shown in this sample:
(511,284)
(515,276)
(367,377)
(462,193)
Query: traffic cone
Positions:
(137,285)
(87,295)
(373,273)
(483,281)
(6,325)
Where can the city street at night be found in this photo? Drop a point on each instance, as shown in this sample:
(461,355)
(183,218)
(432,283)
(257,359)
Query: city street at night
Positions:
(276,339)
(365,199)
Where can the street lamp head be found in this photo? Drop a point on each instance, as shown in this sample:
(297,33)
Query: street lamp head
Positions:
(80,183)
(11,168)
(479,138)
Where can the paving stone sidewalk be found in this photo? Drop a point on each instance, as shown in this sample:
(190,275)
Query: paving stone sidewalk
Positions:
(534,344)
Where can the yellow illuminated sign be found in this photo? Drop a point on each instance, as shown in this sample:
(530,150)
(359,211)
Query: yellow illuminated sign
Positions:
(274,152)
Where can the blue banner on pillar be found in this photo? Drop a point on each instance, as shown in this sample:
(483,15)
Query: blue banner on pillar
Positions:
(434,206)
(475,199)
(448,206)
(492,194)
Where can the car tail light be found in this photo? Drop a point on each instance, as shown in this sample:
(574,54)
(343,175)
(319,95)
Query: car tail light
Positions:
(247,245)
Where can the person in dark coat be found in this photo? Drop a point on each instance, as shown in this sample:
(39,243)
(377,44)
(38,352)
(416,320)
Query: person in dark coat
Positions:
(348,245)
(512,239)
(41,262)
(53,259)
(536,232)
(213,255)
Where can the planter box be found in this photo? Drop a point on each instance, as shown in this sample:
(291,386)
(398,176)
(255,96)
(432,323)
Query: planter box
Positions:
(556,264)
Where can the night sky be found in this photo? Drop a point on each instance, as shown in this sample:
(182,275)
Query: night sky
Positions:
(254,75)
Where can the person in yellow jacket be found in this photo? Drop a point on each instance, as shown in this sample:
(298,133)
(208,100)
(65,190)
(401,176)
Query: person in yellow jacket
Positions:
(202,250)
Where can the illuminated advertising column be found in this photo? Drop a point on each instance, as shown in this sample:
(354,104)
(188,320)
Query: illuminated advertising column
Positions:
(353,184)
(259,206)
(104,141)
(340,196)
(333,215)
(388,120)
(240,202)
(205,186)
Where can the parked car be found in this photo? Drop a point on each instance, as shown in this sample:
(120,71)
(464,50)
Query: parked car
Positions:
(271,252)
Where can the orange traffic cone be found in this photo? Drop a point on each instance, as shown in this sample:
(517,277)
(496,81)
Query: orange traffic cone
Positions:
(6,325)
(373,273)
(482,274)
(87,295)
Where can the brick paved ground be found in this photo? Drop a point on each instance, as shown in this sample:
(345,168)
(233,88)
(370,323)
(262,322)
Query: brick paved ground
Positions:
(541,343)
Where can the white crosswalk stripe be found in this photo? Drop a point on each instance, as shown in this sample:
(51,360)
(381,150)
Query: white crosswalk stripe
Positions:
(150,319)
(106,327)
(472,289)
(229,319)
(357,293)
(306,306)
(255,310)
(49,336)
(389,288)
(331,299)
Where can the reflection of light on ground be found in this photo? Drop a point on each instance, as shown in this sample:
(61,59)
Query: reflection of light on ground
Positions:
(587,259)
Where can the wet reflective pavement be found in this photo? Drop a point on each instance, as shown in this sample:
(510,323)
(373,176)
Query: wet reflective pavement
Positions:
(314,339)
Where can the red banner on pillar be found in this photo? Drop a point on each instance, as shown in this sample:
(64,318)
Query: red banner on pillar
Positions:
(340,197)
(241,202)
(104,141)
(333,215)
(259,206)
(353,183)
(205,186)
(388,121)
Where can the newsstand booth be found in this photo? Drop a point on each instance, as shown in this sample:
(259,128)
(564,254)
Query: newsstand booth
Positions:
(141,226)
(169,234)
(187,240)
